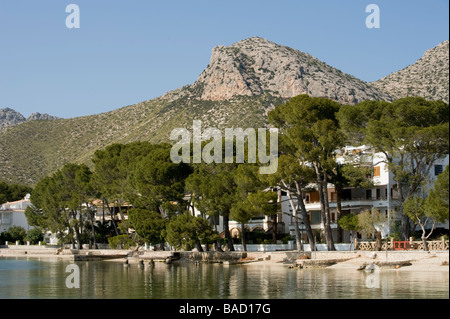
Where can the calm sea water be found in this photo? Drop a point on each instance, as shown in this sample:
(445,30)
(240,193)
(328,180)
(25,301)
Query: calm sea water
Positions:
(35,278)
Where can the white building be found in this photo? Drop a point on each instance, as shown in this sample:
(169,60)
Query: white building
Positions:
(382,196)
(13,214)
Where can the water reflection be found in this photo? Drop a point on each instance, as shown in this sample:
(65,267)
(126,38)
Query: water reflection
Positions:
(34,278)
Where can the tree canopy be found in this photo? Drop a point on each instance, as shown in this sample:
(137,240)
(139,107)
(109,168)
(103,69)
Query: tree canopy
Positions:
(412,133)
(310,132)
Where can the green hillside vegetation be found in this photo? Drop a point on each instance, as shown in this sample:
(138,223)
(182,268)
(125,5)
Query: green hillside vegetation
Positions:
(240,86)
(32,150)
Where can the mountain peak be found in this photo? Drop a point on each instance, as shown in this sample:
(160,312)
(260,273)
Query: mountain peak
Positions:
(42,117)
(10,117)
(427,77)
(256,66)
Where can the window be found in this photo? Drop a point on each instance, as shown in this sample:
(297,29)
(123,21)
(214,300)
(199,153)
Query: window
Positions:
(378,193)
(333,196)
(315,217)
(376,171)
(346,194)
(368,194)
(314,197)
(437,170)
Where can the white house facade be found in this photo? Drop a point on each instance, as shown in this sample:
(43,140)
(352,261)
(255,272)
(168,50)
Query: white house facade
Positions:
(13,214)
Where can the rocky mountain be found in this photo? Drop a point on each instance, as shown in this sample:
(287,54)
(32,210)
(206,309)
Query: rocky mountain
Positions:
(42,117)
(427,77)
(256,66)
(9,117)
(239,86)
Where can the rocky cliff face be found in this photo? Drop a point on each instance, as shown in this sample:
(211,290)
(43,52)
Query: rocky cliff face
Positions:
(9,117)
(256,66)
(42,117)
(427,77)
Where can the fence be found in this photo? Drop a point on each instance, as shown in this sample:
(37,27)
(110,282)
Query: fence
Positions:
(402,245)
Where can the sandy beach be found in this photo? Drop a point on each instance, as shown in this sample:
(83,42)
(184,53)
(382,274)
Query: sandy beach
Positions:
(427,263)
(418,262)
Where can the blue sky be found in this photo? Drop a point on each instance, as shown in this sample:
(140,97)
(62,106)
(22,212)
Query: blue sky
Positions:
(130,51)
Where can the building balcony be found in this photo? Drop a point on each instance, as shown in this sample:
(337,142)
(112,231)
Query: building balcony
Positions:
(253,224)
(318,226)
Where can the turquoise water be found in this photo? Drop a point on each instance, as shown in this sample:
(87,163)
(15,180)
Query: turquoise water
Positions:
(35,278)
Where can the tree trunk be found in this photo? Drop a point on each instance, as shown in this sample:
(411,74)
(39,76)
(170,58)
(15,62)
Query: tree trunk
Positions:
(111,213)
(339,236)
(305,217)
(298,239)
(274,227)
(244,244)
(424,237)
(308,229)
(218,245)
(93,229)
(76,231)
(296,218)
(378,243)
(406,227)
(226,219)
(122,217)
(324,207)
(425,244)
(328,231)
(198,245)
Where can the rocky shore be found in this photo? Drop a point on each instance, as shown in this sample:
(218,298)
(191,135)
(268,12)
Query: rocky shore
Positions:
(419,261)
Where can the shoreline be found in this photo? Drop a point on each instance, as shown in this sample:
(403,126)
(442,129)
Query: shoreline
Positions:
(419,261)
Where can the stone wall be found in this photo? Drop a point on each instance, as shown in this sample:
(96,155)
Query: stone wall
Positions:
(212,256)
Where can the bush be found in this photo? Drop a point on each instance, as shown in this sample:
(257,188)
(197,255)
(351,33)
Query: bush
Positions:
(286,239)
(35,235)
(13,234)
(121,242)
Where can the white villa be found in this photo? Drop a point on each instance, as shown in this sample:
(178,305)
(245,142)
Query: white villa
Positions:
(382,196)
(13,214)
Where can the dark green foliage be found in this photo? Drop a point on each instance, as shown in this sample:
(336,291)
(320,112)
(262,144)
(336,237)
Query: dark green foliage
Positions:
(121,242)
(185,230)
(148,225)
(13,234)
(349,222)
(310,132)
(411,132)
(35,235)
(60,201)
(437,202)
(51,144)
(13,192)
